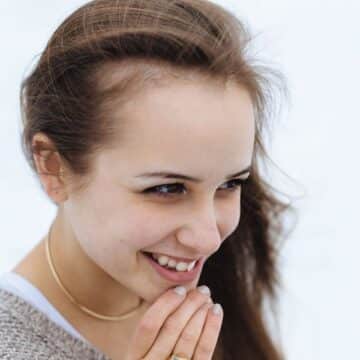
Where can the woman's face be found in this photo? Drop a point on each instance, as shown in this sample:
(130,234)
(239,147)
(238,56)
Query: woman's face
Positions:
(197,129)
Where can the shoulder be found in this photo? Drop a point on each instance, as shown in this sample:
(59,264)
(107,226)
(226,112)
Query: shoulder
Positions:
(27,333)
(19,338)
(17,341)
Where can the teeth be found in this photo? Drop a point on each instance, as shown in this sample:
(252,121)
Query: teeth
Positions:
(181,266)
(191,265)
(163,260)
(171,263)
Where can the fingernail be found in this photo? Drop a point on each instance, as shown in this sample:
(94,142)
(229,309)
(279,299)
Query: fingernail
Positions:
(204,289)
(217,309)
(180,290)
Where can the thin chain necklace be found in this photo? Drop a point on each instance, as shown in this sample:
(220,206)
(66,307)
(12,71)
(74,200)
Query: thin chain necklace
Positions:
(72,299)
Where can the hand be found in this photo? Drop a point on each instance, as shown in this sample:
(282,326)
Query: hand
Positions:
(180,324)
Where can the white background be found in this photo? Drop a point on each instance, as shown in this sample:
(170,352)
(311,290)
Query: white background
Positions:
(316,45)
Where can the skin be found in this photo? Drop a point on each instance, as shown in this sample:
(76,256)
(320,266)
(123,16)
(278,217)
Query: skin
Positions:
(99,233)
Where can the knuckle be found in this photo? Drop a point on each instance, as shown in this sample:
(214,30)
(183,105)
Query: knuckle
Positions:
(204,349)
(159,353)
(215,321)
(147,326)
(188,337)
(193,295)
(197,297)
(171,326)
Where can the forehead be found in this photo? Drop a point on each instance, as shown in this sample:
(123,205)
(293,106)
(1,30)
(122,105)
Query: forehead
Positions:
(187,125)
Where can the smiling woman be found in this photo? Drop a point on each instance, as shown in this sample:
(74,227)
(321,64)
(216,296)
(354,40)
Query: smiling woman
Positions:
(134,116)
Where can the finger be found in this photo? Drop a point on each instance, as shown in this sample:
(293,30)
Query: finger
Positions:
(209,337)
(185,347)
(174,325)
(152,321)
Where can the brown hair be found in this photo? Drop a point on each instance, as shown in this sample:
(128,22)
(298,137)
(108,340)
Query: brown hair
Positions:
(71,91)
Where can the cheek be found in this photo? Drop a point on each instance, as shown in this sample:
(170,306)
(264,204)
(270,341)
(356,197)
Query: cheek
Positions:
(112,229)
(116,246)
(230,218)
(149,227)
(101,224)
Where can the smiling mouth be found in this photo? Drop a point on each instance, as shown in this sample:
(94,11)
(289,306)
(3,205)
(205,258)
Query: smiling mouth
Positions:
(173,275)
(150,256)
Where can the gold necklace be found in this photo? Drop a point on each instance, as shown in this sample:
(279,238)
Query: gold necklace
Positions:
(72,299)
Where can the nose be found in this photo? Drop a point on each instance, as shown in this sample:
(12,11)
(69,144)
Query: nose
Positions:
(201,231)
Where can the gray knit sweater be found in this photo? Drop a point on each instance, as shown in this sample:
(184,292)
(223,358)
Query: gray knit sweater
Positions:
(27,333)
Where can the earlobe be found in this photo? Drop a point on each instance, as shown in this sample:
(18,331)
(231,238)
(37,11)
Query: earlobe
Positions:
(51,174)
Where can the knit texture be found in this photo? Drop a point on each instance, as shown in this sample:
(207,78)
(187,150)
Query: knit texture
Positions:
(27,333)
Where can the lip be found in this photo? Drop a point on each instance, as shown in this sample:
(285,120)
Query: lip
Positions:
(174,276)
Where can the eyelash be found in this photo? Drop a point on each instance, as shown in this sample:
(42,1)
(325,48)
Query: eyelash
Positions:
(153,190)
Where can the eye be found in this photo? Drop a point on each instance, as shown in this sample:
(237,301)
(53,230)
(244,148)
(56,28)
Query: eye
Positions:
(171,190)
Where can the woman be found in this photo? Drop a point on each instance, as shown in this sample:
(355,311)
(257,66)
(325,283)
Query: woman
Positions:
(143,120)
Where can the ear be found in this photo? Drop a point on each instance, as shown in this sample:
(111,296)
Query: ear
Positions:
(49,167)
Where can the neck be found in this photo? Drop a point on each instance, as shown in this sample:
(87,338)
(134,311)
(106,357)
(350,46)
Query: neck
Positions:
(86,282)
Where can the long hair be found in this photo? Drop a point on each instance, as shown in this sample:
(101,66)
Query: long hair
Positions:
(69,96)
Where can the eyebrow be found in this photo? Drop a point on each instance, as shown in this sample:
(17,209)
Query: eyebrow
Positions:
(171,175)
